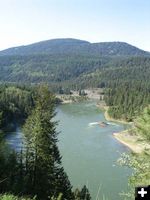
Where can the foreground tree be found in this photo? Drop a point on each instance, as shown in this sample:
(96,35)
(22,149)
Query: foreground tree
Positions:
(82,194)
(45,177)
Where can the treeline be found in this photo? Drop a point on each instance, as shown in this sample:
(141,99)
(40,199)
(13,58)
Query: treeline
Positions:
(15,103)
(36,171)
(127,99)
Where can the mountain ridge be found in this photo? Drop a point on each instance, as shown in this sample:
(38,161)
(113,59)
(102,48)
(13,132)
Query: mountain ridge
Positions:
(76,46)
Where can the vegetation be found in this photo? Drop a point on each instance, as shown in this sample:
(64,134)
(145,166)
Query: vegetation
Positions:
(139,163)
(12,197)
(42,156)
(128,99)
(142,124)
(46,68)
(35,171)
(127,86)
(15,104)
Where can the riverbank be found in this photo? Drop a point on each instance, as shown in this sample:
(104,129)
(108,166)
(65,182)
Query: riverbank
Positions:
(65,99)
(127,137)
(74,96)
(105,108)
(108,118)
(132,141)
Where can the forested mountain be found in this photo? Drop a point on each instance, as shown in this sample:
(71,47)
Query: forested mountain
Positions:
(45,68)
(116,71)
(90,70)
(67,59)
(75,64)
(77,47)
(42,68)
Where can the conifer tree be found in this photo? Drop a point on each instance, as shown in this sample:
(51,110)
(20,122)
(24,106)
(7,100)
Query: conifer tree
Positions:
(84,194)
(45,176)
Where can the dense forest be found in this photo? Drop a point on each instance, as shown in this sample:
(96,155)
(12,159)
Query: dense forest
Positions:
(46,68)
(126,83)
(128,99)
(66,69)
(36,170)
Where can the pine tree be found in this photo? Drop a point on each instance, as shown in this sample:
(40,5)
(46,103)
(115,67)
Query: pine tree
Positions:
(77,194)
(45,176)
(84,194)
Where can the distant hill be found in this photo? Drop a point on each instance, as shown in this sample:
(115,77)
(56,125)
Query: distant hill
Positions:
(76,47)
(75,62)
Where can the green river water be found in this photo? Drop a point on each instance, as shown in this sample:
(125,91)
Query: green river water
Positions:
(89,152)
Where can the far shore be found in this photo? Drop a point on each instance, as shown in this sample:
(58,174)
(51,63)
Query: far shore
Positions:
(91,94)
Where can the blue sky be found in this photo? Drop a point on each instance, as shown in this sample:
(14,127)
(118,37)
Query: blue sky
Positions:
(27,21)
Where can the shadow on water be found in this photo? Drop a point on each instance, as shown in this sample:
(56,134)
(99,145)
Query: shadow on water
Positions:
(14,138)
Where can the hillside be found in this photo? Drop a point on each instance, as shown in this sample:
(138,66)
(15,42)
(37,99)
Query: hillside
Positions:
(76,62)
(124,69)
(78,70)
(46,68)
(78,47)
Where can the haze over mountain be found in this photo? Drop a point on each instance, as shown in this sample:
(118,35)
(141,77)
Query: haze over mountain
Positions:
(78,47)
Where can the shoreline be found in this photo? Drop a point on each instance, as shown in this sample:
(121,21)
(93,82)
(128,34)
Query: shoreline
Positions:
(68,99)
(133,142)
(89,94)
(125,137)
(108,118)
(120,137)
(105,108)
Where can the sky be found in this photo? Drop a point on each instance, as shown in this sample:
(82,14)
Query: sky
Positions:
(24,22)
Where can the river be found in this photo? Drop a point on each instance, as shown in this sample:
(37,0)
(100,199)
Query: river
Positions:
(89,152)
